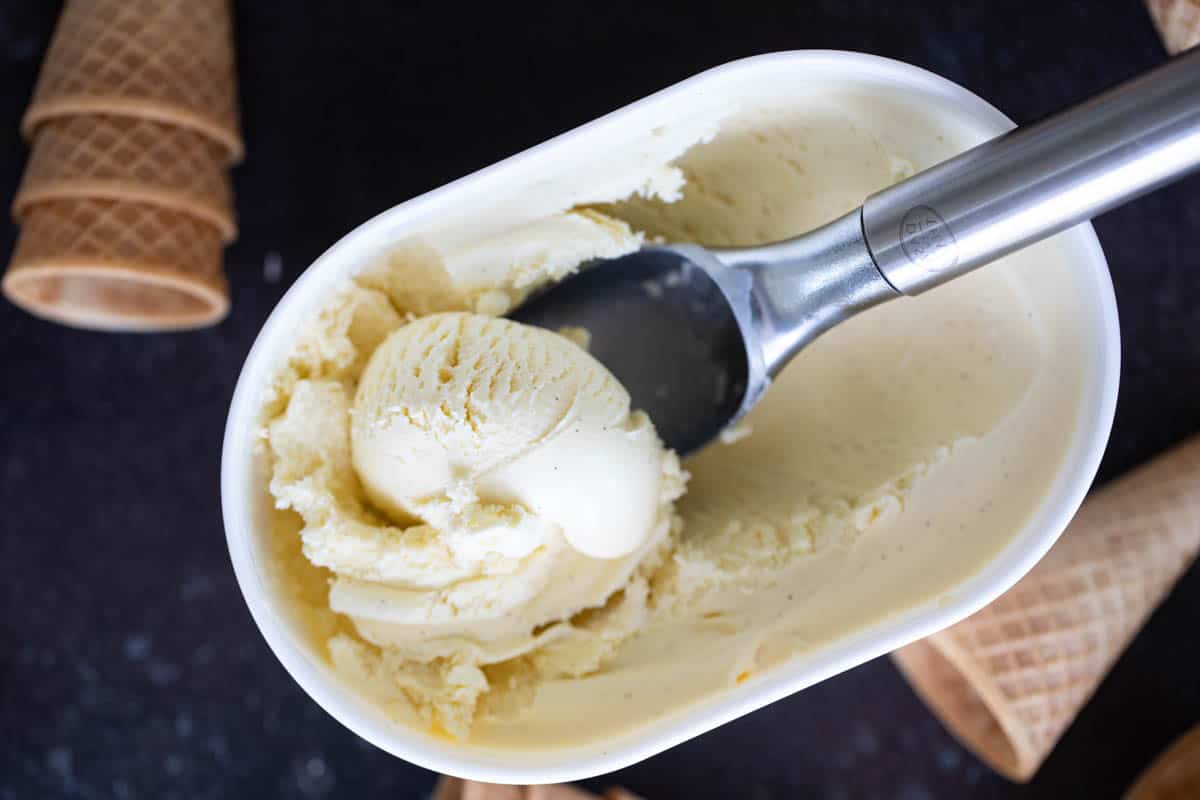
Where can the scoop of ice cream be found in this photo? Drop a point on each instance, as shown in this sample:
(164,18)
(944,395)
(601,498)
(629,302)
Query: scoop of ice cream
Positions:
(500,435)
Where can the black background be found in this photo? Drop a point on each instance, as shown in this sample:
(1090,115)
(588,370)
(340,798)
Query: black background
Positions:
(129,666)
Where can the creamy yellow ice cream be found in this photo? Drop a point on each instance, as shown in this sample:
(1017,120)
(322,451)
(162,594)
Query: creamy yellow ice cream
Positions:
(506,438)
(521,492)
(495,545)
(489,507)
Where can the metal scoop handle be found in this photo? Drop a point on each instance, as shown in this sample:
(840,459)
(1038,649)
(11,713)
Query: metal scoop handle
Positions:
(1038,180)
(736,316)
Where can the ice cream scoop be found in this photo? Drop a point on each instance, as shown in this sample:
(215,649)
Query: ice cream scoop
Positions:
(696,334)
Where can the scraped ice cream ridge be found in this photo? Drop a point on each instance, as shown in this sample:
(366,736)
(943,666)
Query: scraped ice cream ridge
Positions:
(479,534)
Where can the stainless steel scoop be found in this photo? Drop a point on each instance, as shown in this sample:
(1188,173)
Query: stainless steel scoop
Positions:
(696,334)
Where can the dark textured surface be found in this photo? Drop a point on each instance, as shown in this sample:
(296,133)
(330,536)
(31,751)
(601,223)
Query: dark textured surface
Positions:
(129,666)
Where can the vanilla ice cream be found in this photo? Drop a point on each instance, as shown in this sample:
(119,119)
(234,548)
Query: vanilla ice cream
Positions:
(521,490)
(505,437)
(485,540)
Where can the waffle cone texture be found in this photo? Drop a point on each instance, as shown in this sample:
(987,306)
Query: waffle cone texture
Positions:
(126,158)
(126,200)
(113,265)
(1008,680)
(457,789)
(1178,22)
(165,60)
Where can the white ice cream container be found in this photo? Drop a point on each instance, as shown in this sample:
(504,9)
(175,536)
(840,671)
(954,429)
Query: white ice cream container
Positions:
(936,104)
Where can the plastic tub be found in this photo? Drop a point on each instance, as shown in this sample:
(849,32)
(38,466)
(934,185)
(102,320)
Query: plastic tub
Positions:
(930,102)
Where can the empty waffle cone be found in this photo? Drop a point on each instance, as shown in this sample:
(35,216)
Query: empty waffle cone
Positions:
(1178,22)
(557,791)
(127,158)
(1008,680)
(166,60)
(457,789)
(1175,775)
(447,788)
(114,265)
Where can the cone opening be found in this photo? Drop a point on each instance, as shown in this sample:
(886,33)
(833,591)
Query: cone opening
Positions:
(964,711)
(114,301)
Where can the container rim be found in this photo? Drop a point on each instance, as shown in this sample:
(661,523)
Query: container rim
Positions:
(1040,531)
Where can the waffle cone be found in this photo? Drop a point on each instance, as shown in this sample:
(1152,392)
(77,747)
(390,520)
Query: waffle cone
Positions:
(126,158)
(1008,680)
(1178,22)
(447,788)
(165,60)
(557,791)
(1175,775)
(115,265)
(456,789)
(474,790)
